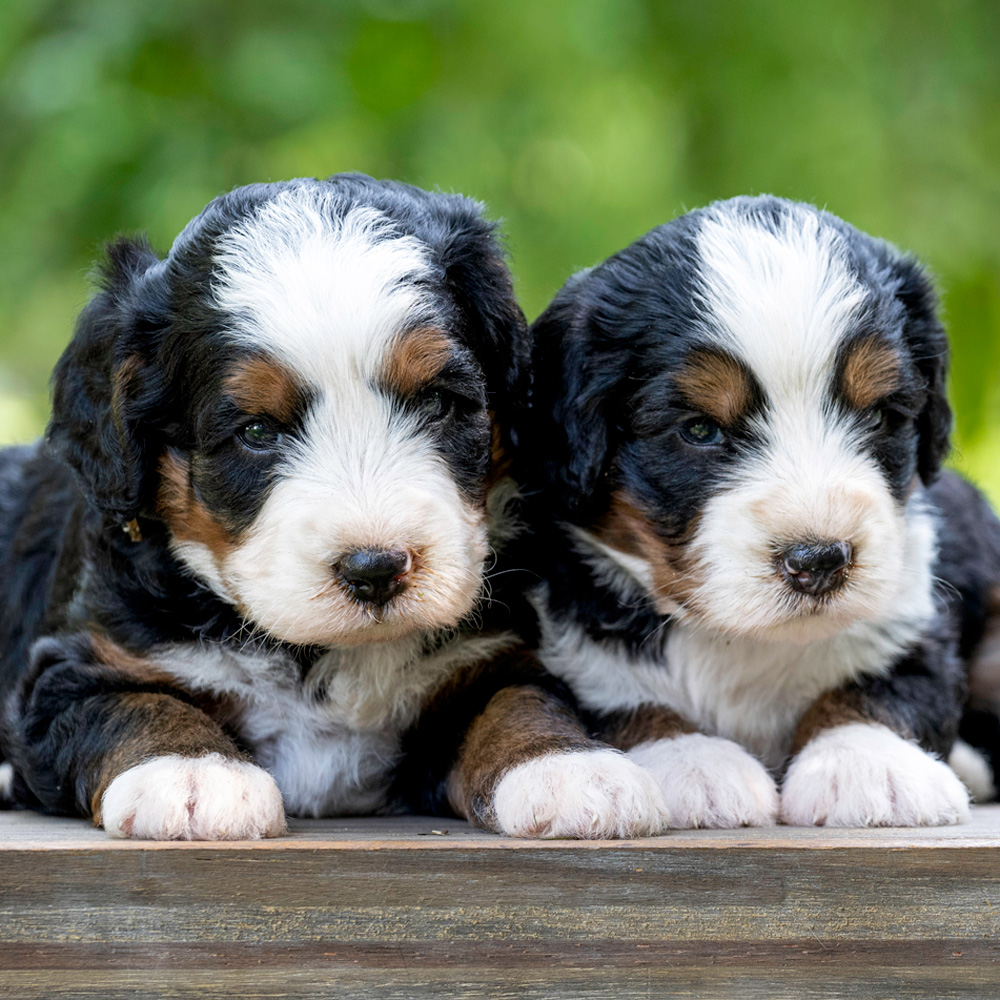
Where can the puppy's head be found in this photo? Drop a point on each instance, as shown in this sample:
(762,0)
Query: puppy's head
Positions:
(310,393)
(738,409)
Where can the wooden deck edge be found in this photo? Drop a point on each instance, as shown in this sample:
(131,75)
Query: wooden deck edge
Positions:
(388,909)
(20,831)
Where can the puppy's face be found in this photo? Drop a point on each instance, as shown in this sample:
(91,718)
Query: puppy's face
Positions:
(765,389)
(324,465)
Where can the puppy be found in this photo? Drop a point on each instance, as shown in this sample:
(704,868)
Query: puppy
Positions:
(245,572)
(748,557)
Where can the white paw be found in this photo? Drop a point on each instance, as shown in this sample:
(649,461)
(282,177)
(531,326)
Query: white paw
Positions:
(6,782)
(708,781)
(974,771)
(863,774)
(193,798)
(587,795)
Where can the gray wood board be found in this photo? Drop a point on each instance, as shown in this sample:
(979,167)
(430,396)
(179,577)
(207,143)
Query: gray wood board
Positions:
(390,908)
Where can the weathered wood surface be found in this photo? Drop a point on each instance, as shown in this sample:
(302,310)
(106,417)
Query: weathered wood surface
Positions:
(391,909)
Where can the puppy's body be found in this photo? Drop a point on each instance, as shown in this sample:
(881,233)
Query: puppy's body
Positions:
(250,558)
(743,420)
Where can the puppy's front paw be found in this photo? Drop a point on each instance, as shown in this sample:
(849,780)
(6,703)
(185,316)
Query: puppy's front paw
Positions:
(862,774)
(193,798)
(708,781)
(587,795)
(6,783)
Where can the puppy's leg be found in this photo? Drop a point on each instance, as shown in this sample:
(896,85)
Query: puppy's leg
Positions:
(977,756)
(869,754)
(707,781)
(101,733)
(527,769)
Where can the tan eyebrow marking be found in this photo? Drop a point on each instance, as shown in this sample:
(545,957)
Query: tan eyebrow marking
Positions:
(872,370)
(263,385)
(716,385)
(414,359)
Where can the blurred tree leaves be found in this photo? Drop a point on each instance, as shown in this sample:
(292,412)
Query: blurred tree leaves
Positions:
(392,65)
(581,122)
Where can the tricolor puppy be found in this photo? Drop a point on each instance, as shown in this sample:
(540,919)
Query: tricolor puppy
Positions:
(751,567)
(245,573)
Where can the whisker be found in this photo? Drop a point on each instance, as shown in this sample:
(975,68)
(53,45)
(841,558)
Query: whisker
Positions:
(946,586)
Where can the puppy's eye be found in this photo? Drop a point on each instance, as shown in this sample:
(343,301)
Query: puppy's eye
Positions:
(875,420)
(701,430)
(435,404)
(260,436)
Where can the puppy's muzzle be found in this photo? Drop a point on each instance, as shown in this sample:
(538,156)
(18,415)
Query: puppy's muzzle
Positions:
(817,568)
(374,576)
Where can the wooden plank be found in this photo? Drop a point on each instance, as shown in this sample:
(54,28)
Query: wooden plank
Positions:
(26,831)
(531,984)
(389,908)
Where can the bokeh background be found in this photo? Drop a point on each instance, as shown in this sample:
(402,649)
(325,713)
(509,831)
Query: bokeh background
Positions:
(582,123)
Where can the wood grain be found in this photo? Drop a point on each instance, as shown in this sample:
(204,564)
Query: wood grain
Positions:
(388,908)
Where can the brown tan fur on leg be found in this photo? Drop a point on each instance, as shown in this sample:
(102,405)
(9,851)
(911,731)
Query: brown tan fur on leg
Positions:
(517,725)
(153,725)
(139,725)
(837,708)
(627,729)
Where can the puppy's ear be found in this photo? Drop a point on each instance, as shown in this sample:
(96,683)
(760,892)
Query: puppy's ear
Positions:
(567,408)
(491,321)
(477,276)
(928,344)
(102,387)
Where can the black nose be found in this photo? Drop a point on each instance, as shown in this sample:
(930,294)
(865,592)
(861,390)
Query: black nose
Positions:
(817,568)
(374,575)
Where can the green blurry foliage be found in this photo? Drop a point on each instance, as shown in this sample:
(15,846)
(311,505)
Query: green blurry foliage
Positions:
(582,123)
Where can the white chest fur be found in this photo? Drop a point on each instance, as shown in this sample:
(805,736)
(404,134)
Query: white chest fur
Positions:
(749,691)
(332,739)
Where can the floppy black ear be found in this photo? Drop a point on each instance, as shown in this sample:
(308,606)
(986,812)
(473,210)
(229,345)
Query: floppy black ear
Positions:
(102,387)
(569,442)
(477,277)
(928,343)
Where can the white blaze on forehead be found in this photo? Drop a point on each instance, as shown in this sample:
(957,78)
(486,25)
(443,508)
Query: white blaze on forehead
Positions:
(782,298)
(322,287)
